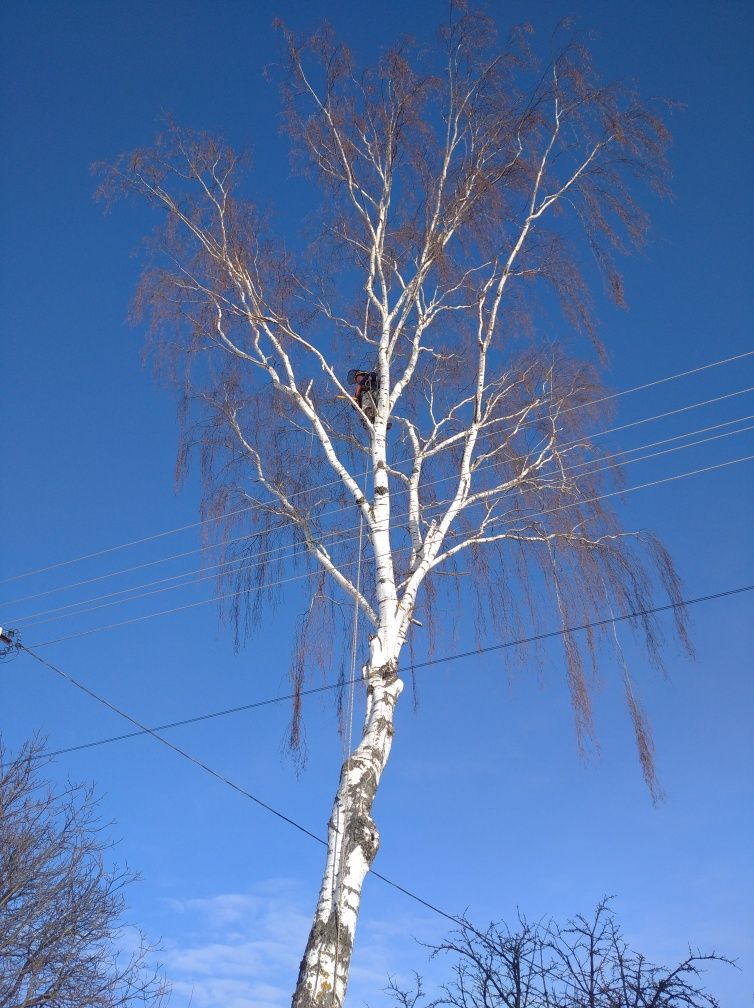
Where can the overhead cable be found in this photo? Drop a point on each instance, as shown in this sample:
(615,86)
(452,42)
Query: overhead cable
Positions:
(205,521)
(244,792)
(329,539)
(338,536)
(440,659)
(239,789)
(289,523)
(298,577)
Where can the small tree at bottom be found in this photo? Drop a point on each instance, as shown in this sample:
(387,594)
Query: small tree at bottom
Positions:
(584,963)
(61,907)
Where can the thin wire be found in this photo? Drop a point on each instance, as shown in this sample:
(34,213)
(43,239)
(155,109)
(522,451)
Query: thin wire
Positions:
(518,520)
(337,537)
(662,381)
(205,521)
(650,455)
(546,635)
(442,659)
(197,719)
(298,577)
(243,791)
(673,412)
(288,523)
(288,550)
(668,440)
(292,548)
(143,729)
(128,570)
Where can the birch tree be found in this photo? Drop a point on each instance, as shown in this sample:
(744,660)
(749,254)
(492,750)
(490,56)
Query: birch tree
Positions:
(469,197)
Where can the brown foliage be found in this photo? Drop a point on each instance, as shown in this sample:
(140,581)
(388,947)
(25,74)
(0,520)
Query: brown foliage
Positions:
(461,189)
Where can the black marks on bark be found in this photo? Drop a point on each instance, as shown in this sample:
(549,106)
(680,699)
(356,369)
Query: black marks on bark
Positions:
(361,833)
(327,937)
(387,673)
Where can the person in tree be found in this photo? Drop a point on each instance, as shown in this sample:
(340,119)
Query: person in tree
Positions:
(367,384)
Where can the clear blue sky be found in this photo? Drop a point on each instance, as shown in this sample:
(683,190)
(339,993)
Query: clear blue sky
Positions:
(485,804)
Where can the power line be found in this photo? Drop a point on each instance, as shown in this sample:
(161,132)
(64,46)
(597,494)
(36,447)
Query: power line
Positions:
(334,537)
(674,412)
(298,577)
(143,729)
(289,523)
(232,784)
(546,635)
(205,521)
(242,790)
(337,536)
(673,377)
(238,565)
(135,567)
(441,659)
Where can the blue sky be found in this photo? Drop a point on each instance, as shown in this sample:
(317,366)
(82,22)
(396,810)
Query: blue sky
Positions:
(485,804)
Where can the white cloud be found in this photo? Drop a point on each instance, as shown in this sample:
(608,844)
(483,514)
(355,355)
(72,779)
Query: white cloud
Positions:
(238,950)
(228,993)
(242,950)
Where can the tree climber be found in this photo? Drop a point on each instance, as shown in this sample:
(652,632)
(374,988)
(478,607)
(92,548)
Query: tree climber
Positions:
(367,385)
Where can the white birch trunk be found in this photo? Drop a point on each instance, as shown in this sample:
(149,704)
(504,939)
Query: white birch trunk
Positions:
(352,845)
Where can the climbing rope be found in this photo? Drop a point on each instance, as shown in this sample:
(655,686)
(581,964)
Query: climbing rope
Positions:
(355,634)
(348,735)
(347,740)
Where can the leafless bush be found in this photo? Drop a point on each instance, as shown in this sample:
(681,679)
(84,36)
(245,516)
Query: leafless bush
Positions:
(63,939)
(585,963)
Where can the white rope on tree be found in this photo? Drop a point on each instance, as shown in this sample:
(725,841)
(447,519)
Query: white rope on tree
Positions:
(348,735)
